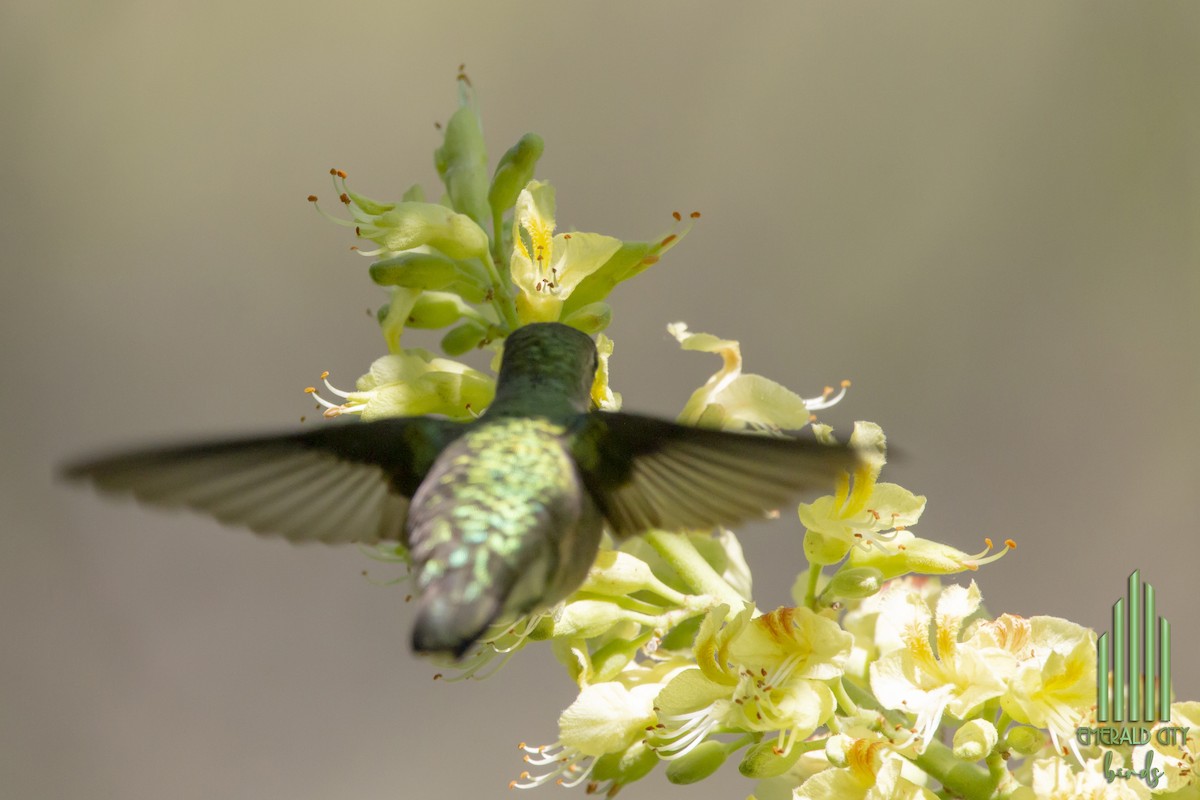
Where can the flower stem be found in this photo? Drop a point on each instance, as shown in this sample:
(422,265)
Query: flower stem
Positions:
(502,298)
(810,592)
(699,576)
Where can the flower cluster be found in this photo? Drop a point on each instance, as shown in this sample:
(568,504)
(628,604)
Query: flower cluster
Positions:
(879,682)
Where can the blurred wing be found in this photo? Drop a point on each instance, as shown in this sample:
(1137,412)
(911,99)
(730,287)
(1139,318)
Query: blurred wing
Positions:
(649,474)
(343,483)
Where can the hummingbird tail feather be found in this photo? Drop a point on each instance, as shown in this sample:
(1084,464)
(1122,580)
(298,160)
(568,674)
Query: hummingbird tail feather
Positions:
(448,624)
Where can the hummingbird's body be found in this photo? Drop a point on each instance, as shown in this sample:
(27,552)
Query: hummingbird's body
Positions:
(502,515)
(501,525)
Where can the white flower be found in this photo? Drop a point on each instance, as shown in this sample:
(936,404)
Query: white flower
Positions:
(956,677)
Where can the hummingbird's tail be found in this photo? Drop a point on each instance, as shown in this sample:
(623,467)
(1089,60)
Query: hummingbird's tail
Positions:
(446,623)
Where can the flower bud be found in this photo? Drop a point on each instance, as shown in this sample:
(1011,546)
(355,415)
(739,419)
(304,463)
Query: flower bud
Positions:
(421,271)
(437,310)
(705,759)
(854,583)
(1025,739)
(975,739)
(761,760)
(514,170)
(465,337)
(461,161)
(626,766)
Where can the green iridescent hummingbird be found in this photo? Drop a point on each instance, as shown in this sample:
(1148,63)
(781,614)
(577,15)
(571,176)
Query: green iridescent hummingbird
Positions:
(502,515)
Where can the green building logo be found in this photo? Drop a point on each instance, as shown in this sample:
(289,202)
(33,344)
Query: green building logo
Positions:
(1139,655)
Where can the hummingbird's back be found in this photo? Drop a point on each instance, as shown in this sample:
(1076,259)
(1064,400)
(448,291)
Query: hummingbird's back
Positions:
(501,525)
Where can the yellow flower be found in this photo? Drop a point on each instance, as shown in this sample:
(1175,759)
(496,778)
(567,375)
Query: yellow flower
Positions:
(546,267)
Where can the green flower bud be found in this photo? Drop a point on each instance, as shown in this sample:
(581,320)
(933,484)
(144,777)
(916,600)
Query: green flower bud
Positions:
(461,161)
(975,740)
(465,337)
(513,172)
(437,310)
(705,759)
(854,583)
(591,319)
(626,766)
(416,271)
(1025,739)
(761,760)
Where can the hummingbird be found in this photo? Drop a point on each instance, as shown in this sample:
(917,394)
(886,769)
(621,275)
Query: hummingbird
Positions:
(502,515)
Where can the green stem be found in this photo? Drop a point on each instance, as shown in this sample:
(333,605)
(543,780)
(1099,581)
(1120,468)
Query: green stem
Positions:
(845,703)
(699,576)
(502,299)
(810,592)
(996,767)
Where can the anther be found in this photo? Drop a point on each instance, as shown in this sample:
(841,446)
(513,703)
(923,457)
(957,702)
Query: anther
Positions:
(695,215)
(312,198)
(345,198)
(678,217)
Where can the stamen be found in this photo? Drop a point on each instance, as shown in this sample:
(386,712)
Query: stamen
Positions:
(332,410)
(827,398)
(330,387)
(345,223)
(979,559)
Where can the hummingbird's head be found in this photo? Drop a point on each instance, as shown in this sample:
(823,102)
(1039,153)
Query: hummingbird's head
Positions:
(546,361)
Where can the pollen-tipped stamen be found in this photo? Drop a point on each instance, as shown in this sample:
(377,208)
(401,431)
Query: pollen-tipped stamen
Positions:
(979,559)
(829,397)
(332,409)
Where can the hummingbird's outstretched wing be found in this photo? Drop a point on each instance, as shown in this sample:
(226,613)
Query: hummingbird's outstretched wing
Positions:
(650,474)
(342,483)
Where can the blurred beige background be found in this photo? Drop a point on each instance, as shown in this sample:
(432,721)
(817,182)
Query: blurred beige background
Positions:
(985,215)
